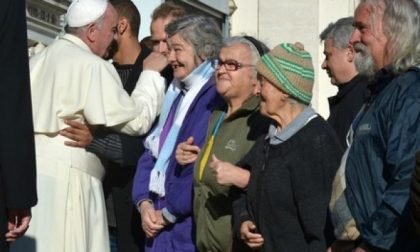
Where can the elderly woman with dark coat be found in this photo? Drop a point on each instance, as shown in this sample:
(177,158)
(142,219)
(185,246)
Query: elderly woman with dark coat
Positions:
(285,207)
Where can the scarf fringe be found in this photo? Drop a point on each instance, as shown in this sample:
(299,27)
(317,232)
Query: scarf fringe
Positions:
(157,182)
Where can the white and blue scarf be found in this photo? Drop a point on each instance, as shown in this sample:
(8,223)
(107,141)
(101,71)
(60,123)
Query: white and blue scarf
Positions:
(192,85)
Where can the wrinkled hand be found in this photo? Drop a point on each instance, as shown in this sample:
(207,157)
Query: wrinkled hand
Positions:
(155,61)
(159,218)
(228,174)
(248,235)
(18,223)
(186,152)
(149,220)
(79,133)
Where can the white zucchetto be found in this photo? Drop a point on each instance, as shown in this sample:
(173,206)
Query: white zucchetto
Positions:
(83,12)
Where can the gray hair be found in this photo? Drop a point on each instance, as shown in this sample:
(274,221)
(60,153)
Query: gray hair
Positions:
(201,32)
(401,25)
(340,34)
(255,55)
(295,102)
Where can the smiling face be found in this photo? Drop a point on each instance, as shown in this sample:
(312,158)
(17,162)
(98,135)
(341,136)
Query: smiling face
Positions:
(239,84)
(368,30)
(182,57)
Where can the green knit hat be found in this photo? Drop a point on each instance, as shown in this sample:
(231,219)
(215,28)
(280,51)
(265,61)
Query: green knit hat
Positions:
(290,68)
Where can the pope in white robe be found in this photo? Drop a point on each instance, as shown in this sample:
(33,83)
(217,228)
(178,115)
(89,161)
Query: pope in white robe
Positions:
(69,81)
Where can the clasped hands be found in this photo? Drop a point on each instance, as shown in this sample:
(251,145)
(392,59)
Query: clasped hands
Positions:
(152,221)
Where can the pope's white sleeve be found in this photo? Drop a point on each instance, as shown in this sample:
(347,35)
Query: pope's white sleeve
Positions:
(148,96)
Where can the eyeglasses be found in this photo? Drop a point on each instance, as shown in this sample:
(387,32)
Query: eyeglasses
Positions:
(230,65)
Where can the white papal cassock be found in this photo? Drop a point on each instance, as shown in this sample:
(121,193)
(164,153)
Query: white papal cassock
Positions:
(69,82)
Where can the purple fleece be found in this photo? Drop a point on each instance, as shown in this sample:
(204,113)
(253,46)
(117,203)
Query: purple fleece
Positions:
(178,185)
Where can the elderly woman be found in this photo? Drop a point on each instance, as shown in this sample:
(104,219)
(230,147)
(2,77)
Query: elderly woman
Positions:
(232,131)
(293,166)
(162,188)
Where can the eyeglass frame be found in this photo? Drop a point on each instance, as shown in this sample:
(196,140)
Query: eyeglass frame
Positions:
(218,63)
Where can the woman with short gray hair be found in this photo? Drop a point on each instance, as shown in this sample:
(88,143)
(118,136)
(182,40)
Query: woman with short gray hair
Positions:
(202,32)
(163,188)
(233,130)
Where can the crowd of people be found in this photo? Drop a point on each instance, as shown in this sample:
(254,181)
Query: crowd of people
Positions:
(194,142)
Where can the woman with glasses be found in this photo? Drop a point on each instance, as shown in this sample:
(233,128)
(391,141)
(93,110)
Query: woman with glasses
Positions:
(162,188)
(233,129)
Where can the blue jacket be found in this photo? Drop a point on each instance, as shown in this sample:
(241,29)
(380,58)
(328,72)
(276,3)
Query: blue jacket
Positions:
(179,179)
(381,160)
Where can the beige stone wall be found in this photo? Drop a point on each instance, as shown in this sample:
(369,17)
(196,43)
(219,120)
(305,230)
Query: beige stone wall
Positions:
(276,21)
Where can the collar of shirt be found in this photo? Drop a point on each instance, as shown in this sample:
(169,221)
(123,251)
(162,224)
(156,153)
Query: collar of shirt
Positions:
(381,79)
(278,136)
(345,88)
(76,40)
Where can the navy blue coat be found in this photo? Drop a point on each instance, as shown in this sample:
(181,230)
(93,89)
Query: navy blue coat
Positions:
(381,161)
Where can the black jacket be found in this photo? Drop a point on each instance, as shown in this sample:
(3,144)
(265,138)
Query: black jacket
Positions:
(345,105)
(290,188)
(120,169)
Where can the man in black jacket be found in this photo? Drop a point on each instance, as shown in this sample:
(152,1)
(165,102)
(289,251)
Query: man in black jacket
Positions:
(123,151)
(17,153)
(347,70)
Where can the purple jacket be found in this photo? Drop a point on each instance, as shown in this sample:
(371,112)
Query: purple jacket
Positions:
(178,185)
